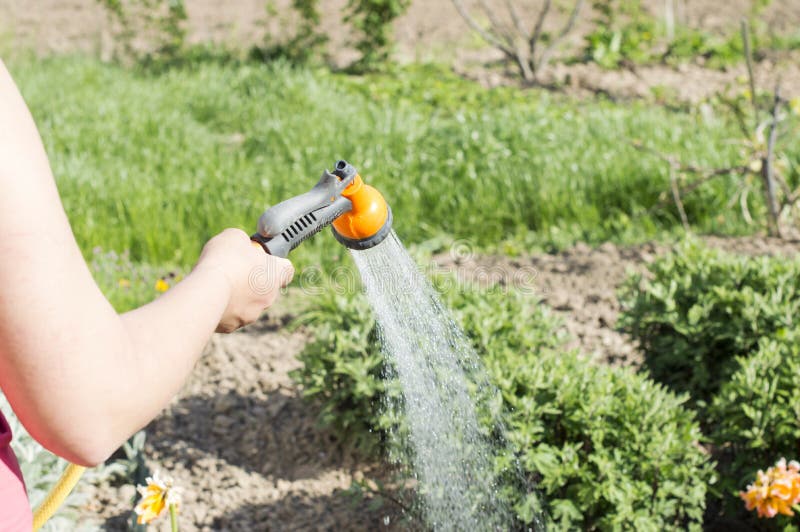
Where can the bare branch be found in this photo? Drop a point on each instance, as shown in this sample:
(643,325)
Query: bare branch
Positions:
(690,168)
(548,52)
(787,191)
(480,30)
(537,29)
(676,197)
(748,55)
(516,18)
(743,205)
(737,112)
(511,38)
(766,169)
(705,174)
(497,25)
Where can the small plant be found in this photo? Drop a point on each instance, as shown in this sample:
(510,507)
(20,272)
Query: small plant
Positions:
(305,45)
(161,23)
(623,31)
(126,284)
(372,19)
(698,309)
(755,416)
(343,369)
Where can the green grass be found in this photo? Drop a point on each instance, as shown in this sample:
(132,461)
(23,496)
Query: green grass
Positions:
(155,164)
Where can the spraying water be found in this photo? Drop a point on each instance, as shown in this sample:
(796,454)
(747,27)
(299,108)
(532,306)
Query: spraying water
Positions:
(437,369)
(444,390)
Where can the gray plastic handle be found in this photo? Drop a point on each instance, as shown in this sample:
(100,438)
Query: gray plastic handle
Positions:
(284,226)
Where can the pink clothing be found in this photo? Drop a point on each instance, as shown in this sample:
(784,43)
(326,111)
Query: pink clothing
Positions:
(15,511)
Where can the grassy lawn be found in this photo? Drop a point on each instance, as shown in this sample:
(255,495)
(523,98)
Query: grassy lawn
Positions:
(153,165)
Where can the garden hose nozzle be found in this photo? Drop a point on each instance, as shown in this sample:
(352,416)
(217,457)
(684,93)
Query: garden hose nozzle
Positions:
(360,216)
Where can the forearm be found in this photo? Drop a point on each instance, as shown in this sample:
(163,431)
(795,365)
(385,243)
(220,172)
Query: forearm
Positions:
(167,336)
(83,379)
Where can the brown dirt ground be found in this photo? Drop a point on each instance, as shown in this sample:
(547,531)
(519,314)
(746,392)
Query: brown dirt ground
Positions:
(580,284)
(430,31)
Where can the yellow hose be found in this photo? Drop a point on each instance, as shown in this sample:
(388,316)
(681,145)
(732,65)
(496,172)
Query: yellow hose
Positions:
(57,495)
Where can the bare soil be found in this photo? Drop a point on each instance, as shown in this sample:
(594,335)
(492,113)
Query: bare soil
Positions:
(429,31)
(580,285)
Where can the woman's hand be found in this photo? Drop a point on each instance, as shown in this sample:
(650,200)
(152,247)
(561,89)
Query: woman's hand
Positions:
(254,277)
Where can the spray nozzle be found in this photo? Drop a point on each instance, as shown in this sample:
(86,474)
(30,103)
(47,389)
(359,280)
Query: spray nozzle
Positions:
(360,216)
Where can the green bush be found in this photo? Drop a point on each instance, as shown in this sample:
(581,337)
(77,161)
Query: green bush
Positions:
(305,45)
(698,309)
(610,449)
(160,23)
(372,20)
(343,369)
(623,31)
(757,417)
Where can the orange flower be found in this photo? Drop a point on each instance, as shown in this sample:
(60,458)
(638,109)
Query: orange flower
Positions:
(157,496)
(774,492)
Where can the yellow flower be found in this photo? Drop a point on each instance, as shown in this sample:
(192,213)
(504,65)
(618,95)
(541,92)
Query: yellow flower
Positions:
(774,492)
(794,105)
(124,283)
(157,497)
(162,285)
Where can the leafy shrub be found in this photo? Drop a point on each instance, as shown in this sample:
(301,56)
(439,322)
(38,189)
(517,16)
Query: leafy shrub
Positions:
(701,308)
(162,24)
(757,417)
(593,437)
(623,31)
(372,19)
(343,369)
(610,449)
(305,45)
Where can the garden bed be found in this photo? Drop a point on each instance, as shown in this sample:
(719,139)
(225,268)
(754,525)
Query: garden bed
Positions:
(246,448)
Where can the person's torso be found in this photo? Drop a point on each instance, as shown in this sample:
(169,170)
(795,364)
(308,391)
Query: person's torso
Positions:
(15,511)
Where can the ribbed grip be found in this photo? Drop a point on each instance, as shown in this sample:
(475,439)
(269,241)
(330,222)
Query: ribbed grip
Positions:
(302,228)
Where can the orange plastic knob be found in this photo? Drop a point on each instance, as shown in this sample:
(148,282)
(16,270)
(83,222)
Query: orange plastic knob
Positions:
(368,215)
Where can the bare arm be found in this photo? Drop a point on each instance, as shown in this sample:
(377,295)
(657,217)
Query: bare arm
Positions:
(80,377)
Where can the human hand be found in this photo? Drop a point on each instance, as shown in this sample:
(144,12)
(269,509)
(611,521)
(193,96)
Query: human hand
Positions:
(254,277)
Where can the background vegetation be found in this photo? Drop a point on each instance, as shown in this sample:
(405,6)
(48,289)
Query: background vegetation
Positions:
(154,164)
